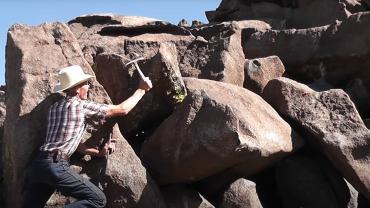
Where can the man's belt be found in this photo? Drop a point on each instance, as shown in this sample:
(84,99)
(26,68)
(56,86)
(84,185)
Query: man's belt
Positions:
(56,155)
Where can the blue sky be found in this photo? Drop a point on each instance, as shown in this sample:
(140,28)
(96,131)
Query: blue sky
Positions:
(35,12)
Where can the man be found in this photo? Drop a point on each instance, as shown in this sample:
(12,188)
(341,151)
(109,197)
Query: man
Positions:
(67,120)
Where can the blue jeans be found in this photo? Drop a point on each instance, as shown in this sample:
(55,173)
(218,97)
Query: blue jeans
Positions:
(46,175)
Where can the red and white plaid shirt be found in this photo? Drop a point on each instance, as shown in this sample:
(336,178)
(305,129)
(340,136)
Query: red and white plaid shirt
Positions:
(67,121)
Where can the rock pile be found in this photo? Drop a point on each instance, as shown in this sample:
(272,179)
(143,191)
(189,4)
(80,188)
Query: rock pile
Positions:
(262,107)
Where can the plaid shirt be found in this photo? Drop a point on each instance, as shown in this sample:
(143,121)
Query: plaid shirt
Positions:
(67,121)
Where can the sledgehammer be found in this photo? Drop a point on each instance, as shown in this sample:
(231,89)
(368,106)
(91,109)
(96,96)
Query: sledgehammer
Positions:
(137,67)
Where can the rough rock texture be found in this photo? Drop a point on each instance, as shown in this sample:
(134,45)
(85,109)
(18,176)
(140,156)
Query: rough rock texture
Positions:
(337,53)
(207,134)
(248,27)
(126,183)
(109,41)
(183,196)
(323,44)
(158,104)
(215,54)
(255,25)
(122,177)
(128,36)
(286,13)
(241,194)
(258,72)
(34,56)
(333,123)
(295,46)
(219,132)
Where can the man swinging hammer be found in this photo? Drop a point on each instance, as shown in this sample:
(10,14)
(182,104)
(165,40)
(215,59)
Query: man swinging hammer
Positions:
(67,120)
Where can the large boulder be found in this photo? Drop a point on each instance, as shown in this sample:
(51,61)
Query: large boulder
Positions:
(215,54)
(339,47)
(34,57)
(125,35)
(336,54)
(218,126)
(110,41)
(241,194)
(282,14)
(332,123)
(124,180)
(255,25)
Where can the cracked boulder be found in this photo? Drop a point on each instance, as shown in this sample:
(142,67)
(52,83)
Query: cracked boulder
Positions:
(216,127)
(332,123)
(110,41)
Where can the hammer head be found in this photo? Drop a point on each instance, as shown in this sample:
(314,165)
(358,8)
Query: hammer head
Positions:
(134,61)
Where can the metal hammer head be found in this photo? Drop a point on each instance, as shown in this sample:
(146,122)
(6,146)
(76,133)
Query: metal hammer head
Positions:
(142,76)
(134,61)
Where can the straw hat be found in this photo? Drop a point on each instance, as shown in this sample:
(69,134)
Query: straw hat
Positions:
(69,77)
